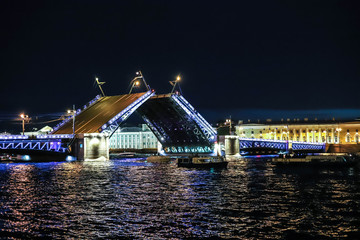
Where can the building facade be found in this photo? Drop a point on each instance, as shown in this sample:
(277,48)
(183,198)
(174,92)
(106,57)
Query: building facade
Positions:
(133,138)
(316,132)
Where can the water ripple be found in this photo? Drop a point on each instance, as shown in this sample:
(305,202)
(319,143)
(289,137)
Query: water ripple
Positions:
(252,199)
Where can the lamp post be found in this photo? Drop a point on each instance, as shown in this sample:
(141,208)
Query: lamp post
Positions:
(24,118)
(73,112)
(174,83)
(99,84)
(138,76)
(135,84)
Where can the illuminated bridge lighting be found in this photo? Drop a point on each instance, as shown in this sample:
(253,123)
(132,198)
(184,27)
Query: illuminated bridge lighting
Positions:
(35,145)
(279,144)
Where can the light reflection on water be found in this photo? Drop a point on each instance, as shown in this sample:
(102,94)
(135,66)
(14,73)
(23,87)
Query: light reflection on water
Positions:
(131,198)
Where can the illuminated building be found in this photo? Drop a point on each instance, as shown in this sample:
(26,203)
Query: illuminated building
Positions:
(316,131)
(133,138)
(43,131)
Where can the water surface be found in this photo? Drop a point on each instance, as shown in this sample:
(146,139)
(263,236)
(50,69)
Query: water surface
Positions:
(131,198)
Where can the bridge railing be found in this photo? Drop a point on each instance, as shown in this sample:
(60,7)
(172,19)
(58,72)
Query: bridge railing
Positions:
(279,144)
(52,136)
(33,144)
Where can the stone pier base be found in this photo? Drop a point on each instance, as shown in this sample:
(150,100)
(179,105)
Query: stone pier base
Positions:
(91,146)
(232,146)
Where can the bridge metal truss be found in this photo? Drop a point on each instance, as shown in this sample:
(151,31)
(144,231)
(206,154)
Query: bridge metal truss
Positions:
(157,130)
(110,127)
(206,128)
(308,146)
(279,144)
(262,143)
(53,145)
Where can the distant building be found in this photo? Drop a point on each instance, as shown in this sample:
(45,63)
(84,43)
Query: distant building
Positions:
(133,138)
(330,132)
(43,131)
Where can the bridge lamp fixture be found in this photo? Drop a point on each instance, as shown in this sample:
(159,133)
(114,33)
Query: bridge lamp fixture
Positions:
(99,85)
(174,83)
(135,81)
(135,84)
(73,112)
(23,119)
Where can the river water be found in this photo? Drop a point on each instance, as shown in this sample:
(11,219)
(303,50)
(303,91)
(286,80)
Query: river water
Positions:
(130,198)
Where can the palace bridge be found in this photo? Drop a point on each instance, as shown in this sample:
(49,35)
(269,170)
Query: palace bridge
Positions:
(180,129)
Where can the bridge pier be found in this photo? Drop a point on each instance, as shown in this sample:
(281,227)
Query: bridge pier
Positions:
(232,145)
(91,146)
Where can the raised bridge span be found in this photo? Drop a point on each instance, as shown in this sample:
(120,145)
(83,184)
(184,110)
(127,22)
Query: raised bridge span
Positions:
(175,122)
(177,125)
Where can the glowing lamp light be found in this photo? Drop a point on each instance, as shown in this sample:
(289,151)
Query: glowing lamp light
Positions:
(178,78)
(137,83)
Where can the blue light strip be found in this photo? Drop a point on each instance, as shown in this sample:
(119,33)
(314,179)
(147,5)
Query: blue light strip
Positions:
(248,142)
(39,145)
(55,136)
(14,137)
(113,123)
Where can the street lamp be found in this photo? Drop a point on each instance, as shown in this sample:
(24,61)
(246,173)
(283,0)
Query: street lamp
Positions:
(138,76)
(99,84)
(24,118)
(73,112)
(174,83)
(135,84)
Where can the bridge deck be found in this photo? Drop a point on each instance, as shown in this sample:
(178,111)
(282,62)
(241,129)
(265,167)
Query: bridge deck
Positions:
(94,117)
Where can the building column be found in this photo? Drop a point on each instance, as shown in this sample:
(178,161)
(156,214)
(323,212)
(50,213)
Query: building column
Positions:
(326,136)
(294,135)
(313,135)
(307,135)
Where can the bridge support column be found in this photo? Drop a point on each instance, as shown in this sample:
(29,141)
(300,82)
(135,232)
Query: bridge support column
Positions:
(91,146)
(232,145)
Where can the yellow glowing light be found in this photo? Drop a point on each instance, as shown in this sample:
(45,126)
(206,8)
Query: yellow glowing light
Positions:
(22,115)
(178,78)
(137,83)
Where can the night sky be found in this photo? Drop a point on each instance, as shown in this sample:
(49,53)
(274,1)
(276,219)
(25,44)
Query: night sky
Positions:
(232,55)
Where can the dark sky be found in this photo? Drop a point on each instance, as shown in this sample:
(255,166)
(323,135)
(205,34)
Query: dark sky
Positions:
(237,55)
